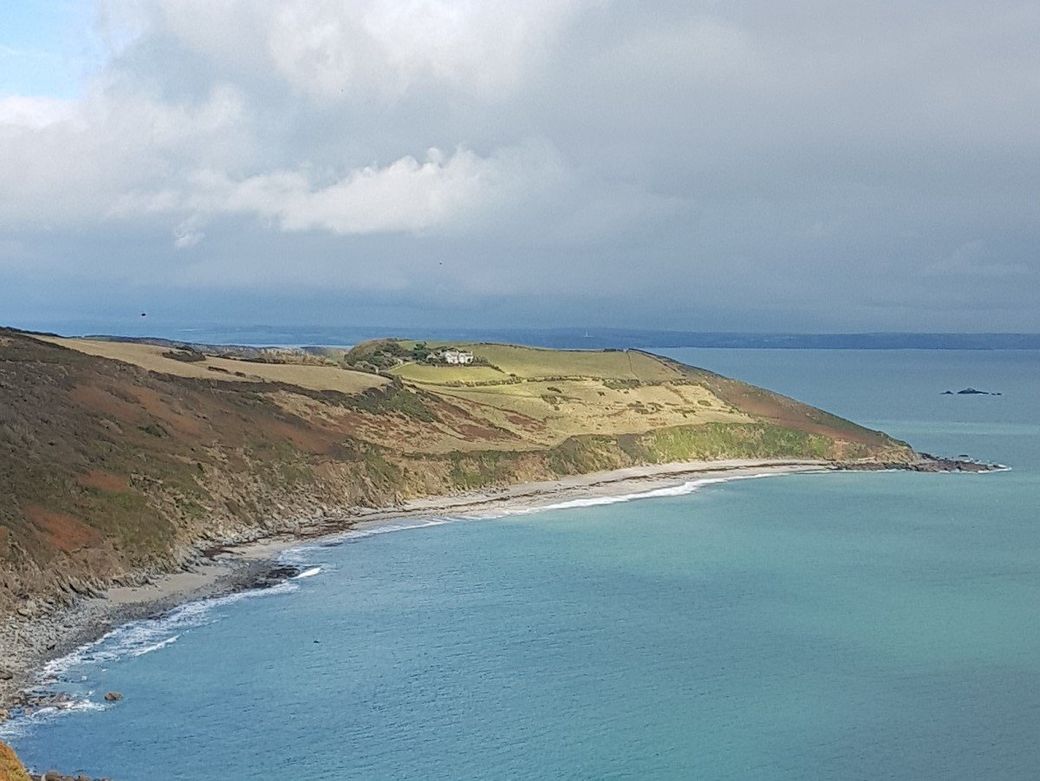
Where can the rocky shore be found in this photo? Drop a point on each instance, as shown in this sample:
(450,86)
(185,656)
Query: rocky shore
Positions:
(53,635)
(927,463)
(54,775)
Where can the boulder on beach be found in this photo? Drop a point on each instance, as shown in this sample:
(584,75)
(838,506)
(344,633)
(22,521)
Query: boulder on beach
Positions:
(113,697)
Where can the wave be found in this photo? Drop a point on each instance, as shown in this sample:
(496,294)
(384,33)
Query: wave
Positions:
(145,636)
(398,525)
(15,728)
(683,489)
(298,555)
(155,646)
(307,573)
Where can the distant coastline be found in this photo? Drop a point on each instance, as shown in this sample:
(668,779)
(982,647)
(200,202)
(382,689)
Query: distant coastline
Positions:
(300,335)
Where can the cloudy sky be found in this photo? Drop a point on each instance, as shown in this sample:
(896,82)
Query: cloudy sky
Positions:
(746,165)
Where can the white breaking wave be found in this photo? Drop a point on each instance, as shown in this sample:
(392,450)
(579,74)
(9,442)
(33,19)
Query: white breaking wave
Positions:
(138,638)
(134,639)
(16,728)
(307,573)
(401,525)
(298,555)
(154,646)
(682,489)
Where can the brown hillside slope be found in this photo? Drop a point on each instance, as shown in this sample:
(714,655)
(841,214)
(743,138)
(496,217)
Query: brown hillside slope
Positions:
(10,768)
(110,470)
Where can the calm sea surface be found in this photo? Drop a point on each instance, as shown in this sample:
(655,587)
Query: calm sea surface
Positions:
(835,626)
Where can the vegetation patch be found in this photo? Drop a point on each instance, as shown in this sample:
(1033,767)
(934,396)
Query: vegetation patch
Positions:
(481,469)
(154,430)
(733,440)
(185,355)
(395,398)
(10,768)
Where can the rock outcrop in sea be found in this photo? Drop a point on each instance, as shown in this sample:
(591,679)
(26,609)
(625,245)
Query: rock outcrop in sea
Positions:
(970,392)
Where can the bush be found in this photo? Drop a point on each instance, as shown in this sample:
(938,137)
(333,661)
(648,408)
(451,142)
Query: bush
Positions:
(185,355)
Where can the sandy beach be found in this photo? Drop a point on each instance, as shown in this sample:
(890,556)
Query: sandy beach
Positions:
(29,645)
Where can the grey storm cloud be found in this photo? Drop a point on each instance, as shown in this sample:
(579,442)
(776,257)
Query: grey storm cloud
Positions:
(746,165)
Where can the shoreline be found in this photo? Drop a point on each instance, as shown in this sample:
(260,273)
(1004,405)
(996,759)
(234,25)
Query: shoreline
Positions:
(256,565)
(252,565)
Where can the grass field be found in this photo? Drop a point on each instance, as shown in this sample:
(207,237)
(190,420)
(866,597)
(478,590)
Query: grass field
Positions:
(549,411)
(450,375)
(151,358)
(529,363)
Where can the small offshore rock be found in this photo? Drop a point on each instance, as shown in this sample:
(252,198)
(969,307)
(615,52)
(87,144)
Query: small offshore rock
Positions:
(113,697)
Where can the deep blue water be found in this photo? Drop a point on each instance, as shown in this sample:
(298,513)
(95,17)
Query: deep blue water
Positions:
(816,626)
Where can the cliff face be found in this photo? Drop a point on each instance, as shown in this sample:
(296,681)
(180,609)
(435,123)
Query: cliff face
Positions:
(110,469)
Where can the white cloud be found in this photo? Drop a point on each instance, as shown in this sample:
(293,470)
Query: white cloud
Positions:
(145,142)
(334,49)
(71,163)
(331,50)
(34,112)
(480,45)
(408,195)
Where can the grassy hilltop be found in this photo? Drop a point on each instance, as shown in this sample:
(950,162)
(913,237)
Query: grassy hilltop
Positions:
(123,458)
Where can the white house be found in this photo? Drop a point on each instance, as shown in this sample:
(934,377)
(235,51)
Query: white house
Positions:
(458,357)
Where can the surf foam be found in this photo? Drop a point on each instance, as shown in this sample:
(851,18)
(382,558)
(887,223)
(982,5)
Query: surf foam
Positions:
(145,636)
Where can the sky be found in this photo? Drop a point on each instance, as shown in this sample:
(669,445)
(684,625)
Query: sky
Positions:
(751,165)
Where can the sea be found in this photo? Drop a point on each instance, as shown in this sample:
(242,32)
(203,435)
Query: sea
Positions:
(812,626)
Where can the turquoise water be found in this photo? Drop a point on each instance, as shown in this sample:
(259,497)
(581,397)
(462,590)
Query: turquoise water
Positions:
(815,626)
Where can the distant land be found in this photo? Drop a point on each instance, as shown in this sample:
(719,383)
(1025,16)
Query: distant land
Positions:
(559,338)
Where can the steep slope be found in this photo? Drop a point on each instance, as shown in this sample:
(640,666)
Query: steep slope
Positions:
(118,461)
(11,769)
